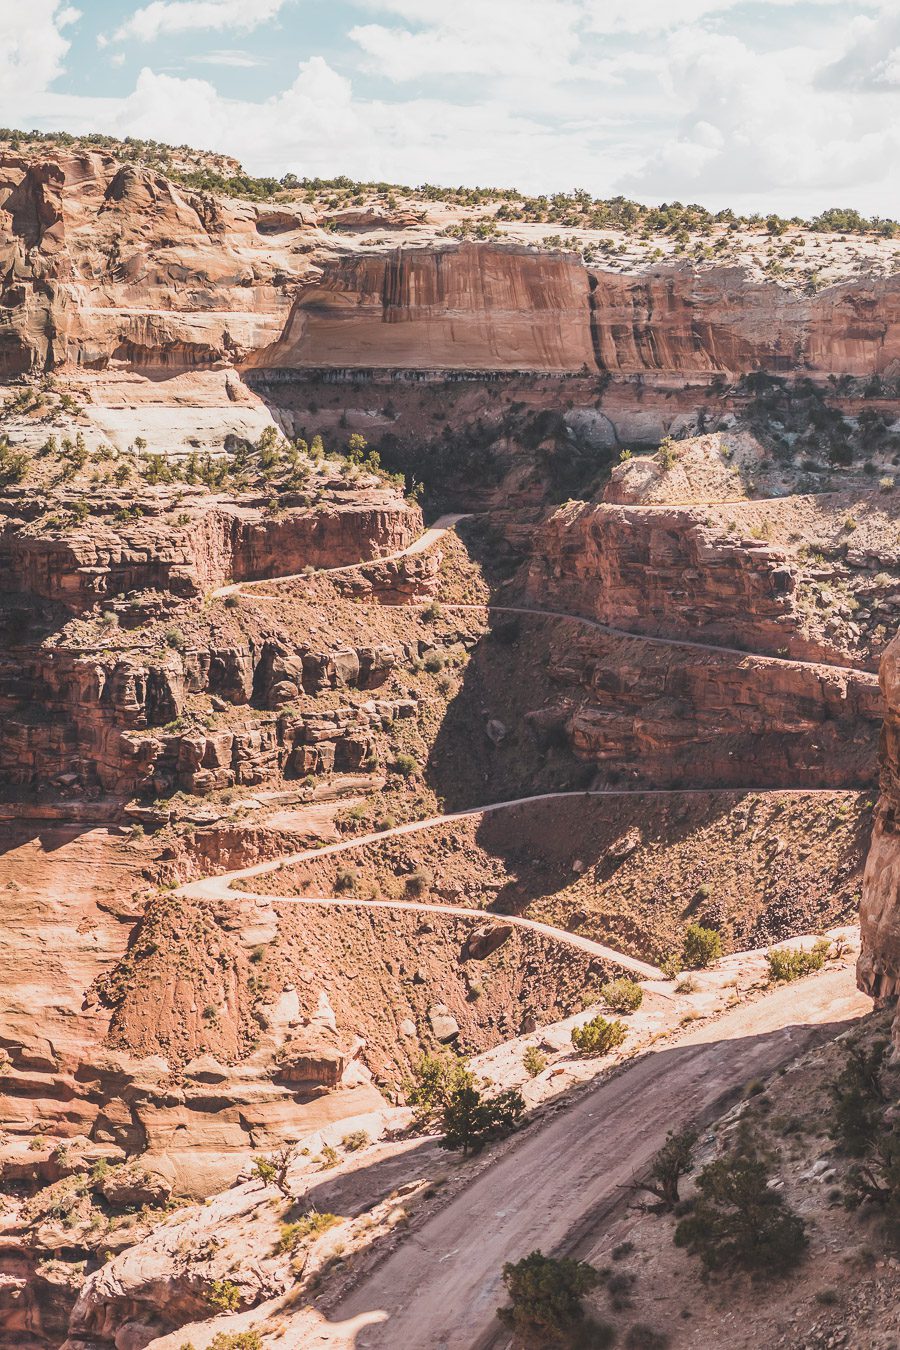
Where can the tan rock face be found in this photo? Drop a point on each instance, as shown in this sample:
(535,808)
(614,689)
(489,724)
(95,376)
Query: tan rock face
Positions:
(215,541)
(490,307)
(671,715)
(472,307)
(679,321)
(112,263)
(664,572)
(878,970)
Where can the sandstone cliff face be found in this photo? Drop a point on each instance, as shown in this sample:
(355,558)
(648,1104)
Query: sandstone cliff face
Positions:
(878,971)
(106,263)
(215,540)
(469,307)
(678,321)
(670,715)
(483,307)
(109,721)
(663,572)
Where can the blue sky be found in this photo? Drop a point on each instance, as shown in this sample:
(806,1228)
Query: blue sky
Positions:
(758,104)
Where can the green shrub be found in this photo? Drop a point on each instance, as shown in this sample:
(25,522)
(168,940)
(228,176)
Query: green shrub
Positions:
(416,883)
(701,946)
(546,1300)
(310,1225)
(788,963)
(642,1337)
(433,1079)
(671,1163)
(224,1295)
(859,1098)
(470,1120)
(622,996)
(738,1223)
(534,1060)
(265,1170)
(236,1340)
(175,639)
(355,1140)
(598,1036)
(406,765)
(345,880)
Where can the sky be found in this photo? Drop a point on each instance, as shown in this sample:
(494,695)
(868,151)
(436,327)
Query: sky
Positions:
(761,105)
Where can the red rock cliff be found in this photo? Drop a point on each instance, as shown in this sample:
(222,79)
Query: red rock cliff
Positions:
(472,307)
(878,971)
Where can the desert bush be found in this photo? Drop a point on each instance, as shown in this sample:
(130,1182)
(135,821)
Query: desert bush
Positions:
(858,1098)
(546,1301)
(355,1140)
(700,947)
(671,1163)
(787,963)
(345,880)
(416,883)
(405,764)
(433,1079)
(598,1036)
(739,1223)
(224,1295)
(470,1120)
(236,1340)
(310,1225)
(534,1061)
(642,1337)
(622,996)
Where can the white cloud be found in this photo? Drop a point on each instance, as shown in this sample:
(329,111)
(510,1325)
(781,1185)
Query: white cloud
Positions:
(32,47)
(870,60)
(528,39)
(660,100)
(756,125)
(164,17)
(657,16)
(228,57)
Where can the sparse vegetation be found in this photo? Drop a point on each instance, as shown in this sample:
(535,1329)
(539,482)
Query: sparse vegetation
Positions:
(738,1223)
(622,996)
(673,1161)
(598,1036)
(791,963)
(534,1061)
(701,946)
(545,1306)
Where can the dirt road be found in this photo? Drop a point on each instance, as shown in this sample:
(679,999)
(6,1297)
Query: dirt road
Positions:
(440,1288)
(443,525)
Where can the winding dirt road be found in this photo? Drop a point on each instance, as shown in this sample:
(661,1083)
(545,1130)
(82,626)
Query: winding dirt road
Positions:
(440,1288)
(443,525)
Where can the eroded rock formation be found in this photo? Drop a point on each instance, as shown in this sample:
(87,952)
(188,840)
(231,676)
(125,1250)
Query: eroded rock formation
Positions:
(878,970)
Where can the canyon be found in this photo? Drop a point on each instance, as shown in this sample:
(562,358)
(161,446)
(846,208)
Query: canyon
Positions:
(404,636)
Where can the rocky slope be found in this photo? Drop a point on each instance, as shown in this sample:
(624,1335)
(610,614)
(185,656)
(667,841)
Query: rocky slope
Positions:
(221,645)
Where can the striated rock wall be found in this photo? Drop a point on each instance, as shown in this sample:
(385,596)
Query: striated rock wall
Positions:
(108,263)
(109,266)
(104,721)
(488,307)
(679,716)
(469,307)
(665,572)
(677,320)
(210,544)
(878,970)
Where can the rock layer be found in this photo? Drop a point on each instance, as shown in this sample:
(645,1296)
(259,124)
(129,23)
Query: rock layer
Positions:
(878,971)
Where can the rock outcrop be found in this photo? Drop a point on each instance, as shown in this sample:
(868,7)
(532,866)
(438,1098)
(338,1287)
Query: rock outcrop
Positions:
(213,539)
(878,971)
